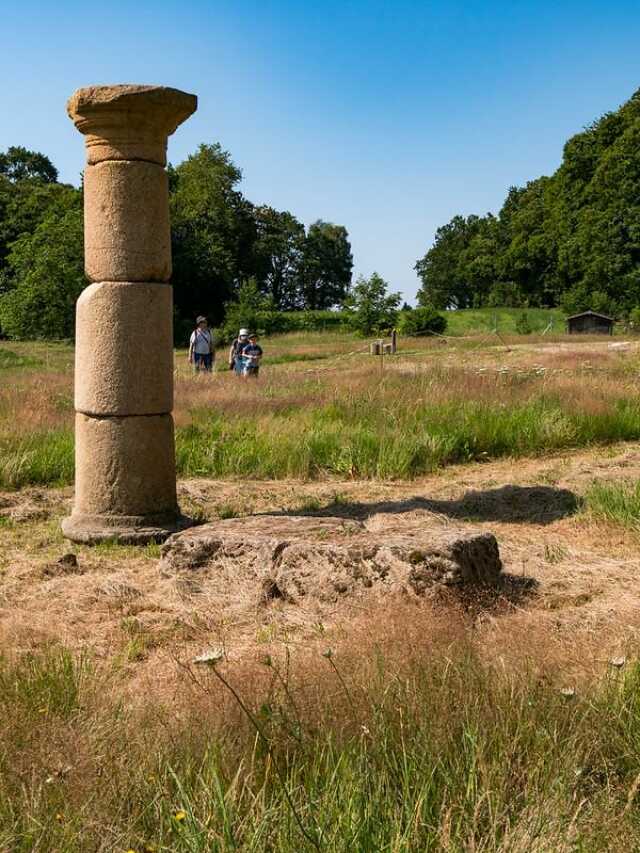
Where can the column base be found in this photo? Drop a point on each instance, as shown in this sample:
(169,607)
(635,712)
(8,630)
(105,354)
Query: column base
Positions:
(123,529)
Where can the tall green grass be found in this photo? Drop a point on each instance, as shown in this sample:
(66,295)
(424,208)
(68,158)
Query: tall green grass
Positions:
(44,458)
(447,754)
(359,437)
(356,436)
(617,502)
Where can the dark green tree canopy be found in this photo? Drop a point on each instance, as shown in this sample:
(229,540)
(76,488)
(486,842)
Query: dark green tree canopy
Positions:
(46,274)
(572,239)
(212,233)
(279,251)
(20,164)
(328,264)
(226,251)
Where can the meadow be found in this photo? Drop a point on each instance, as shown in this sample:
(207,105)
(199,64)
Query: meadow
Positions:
(430,749)
(504,720)
(325,408)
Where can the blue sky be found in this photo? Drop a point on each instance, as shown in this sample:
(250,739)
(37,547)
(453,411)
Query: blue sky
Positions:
(388,118)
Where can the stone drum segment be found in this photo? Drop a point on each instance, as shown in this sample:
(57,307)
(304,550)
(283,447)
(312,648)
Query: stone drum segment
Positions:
(125,457)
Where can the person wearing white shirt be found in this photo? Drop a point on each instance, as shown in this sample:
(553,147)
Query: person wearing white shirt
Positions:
(201,352)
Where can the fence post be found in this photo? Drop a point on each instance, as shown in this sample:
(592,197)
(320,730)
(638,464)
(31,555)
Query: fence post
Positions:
(394,342)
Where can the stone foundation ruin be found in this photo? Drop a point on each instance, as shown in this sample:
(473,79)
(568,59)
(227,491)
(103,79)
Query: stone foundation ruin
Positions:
(302,558)
(125,458)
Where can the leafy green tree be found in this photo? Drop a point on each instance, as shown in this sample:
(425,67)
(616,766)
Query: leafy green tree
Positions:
(20,164)
(327,266)
(23,205)
(212,234)
(634,318)
(572,238)
(219,240)
(278,252)
(46,275)
(371,308)
(460,268)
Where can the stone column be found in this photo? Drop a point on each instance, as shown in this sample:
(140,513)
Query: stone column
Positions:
(125,456)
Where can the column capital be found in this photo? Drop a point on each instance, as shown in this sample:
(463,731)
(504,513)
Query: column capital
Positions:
(129,122)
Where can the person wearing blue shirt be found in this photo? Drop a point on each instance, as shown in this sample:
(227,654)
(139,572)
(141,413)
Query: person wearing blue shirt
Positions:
(251,356)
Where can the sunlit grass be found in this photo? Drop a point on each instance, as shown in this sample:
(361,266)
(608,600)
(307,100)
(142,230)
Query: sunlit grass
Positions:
(616,502)
(325,408)
(445,752)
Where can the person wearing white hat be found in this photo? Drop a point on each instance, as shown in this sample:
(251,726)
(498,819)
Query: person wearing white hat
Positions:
(235,353)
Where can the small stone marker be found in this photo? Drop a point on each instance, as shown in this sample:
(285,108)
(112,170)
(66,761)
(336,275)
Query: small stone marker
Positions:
(125,459)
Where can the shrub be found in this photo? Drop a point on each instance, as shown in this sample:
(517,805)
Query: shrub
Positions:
(421,321)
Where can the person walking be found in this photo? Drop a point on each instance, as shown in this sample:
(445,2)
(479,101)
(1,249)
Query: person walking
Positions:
(235,352)
(201,352)
(252,356)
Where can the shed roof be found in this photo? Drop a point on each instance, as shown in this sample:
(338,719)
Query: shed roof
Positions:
(591,314)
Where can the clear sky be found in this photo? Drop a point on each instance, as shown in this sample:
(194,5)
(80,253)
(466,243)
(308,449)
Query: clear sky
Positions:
(386,117)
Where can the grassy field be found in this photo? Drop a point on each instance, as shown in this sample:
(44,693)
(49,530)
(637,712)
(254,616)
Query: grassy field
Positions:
(503,721)
(432,750)
(476,321)
(324,408)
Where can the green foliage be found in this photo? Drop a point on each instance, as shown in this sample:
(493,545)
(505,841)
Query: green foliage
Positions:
(371,309)
(20,164)
(358,437)
(266,320)
(46,683)
(523,326)
(251,310)
(634,318)
(23,205)
(572,239)
(279,251)
(421,321)
(472,321)
(327,266)
(10,360)
(44,458)
(316,321)
(219,240)
(45,274)
(212,234)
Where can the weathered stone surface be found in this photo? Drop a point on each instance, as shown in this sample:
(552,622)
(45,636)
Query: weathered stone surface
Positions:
(124,529)
(124,349)
(126,222)
(125,466)
(129,122)
(296,558)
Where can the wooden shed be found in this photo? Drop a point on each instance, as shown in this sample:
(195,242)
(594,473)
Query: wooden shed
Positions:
(590,323)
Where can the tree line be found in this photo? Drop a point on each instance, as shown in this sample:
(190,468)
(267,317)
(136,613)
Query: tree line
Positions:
(569,240)
(221,243)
